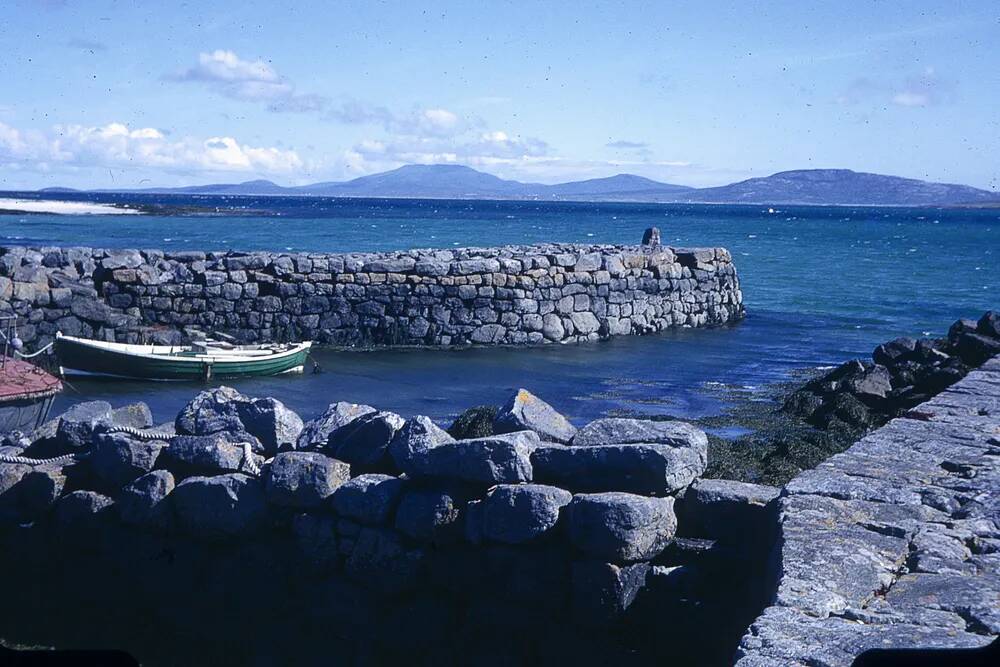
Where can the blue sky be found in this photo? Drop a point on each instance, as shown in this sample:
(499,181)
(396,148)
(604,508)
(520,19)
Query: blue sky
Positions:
(117,94)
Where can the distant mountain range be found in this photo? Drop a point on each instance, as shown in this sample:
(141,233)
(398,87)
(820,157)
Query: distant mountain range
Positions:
(804,186)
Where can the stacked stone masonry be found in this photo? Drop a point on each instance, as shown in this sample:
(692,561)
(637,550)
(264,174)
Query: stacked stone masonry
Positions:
(510,295)
(894,543)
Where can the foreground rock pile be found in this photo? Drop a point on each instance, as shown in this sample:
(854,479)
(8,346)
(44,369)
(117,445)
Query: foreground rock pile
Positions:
(508,295)
(902,374)
(606,527)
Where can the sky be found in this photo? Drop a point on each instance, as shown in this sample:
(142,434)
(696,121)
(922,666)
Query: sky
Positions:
(103,94)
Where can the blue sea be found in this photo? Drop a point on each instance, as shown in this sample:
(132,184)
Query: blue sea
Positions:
(821,285)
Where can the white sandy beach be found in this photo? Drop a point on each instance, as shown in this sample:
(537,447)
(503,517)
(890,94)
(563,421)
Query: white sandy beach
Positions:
(62,207)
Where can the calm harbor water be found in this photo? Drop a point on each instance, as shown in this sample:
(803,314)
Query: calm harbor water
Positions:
(821,284)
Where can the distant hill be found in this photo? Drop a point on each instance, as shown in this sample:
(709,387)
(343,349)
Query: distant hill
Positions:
(806,186)
(841,186)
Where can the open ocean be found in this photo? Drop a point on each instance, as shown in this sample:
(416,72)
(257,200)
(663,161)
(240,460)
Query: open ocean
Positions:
(821,285)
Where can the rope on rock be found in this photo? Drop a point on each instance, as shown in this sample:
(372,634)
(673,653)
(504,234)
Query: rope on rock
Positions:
(248,460)
(139,434)
(35,353)
(24,460)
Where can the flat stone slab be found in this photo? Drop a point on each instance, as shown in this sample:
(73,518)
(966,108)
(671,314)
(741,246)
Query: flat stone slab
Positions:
(893,543)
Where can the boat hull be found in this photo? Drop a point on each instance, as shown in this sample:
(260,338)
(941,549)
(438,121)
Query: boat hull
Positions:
(24,415)
(80,358)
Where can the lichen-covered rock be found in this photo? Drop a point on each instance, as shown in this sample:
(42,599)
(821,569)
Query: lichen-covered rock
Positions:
(316,432)
(78,423)
(416,436)
(211,411)
(135,415)
(364,442)
(526,412)
(652,469)
(429,516)
(500,459)
(516,513)
(218,452)
(220,507)
(223,409)
(303,480)
(623,431)
(620,527)
(117,458)
(476,422)
(80,509)
(142,502)
(271,422)
(368,499)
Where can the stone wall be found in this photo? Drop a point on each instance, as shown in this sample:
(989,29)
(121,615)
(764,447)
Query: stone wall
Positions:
(508,295)
(363,537)
(894,543)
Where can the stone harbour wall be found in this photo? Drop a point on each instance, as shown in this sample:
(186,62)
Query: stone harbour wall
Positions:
(894,543)
(507,295)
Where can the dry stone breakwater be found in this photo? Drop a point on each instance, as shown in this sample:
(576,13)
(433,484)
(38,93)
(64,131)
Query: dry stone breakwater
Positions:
(508,295)
(363,536)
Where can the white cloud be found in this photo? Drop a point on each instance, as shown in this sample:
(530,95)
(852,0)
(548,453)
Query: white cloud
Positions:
(116,145)
(925,89)
(909,98)
(248,80)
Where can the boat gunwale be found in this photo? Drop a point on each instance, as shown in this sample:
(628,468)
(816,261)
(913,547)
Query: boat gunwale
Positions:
(116,348)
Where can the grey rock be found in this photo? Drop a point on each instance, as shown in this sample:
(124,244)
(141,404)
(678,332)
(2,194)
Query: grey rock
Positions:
(81,509)
(39,489)
(221,507)
(77,425)
(116,458)
(428,516)
(624,431)
(416,436)
(727,510)
(654,469)
(526,412)
(368,499)
(143,503)
(513,514)
(273,424)
(621,527)
(210,412)
(364,442)
(218,452)
(316,537)
(225,409)
(603,591)
(497,459)
(316,432)
(381,561)
(135,415)
(303,480)
(875,382)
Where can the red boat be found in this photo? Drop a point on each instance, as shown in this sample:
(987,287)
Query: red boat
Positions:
(26,391)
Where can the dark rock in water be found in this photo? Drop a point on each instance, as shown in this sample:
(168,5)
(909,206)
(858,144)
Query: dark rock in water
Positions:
(942,377)
(368,499)
(316,432)
(498,459)
(873,383)
(77,425)
(725,510)
(513,514)
(116,458)
(136,415)
(622,431)
(364,442)
(429,516)
(142,502)
(316,536)
(218,452)
(417,435)
(975,349)
(475,422)
(655,469)
(221,507)
(225,409)
(989,324)
(621,527)
(803,403)
(651,236)
(603,591)
(526,412)
(960,327)
(847,409)
(889,353)
(380,560)
(80,509)
(303,480)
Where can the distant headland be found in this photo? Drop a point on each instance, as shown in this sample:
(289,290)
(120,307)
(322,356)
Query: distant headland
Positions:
(804,186)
